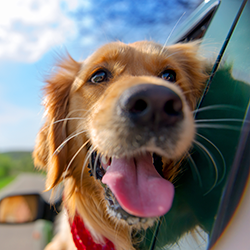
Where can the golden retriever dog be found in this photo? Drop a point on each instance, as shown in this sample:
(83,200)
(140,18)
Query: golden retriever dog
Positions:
(116,125)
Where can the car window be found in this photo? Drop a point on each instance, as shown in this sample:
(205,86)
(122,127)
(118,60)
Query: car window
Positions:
(237,61)
(198,29)
(219,122)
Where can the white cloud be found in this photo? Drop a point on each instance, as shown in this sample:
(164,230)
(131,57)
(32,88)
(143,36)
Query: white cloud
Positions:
(29,28)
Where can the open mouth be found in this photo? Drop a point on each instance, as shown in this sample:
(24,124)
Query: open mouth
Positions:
(134,186)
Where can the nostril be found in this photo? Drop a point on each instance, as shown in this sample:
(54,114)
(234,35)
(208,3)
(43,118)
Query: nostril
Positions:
(150,105)
(139,106)
(173,107)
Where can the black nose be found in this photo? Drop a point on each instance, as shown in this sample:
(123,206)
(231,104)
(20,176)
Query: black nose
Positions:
(151,105)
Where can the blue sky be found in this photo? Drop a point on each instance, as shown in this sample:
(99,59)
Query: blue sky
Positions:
(33,31)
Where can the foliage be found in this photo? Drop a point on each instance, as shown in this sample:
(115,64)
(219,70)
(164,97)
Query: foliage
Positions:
(5,165)
(6,180)
(14,163)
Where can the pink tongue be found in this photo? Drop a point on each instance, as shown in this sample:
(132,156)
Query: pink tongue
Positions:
(138,187)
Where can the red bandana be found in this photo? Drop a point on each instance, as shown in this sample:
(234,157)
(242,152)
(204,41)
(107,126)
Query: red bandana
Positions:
(83,239)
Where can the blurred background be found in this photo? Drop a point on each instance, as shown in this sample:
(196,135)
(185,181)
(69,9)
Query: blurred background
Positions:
(32,34)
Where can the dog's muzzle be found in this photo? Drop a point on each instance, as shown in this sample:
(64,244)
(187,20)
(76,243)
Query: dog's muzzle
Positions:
(132,178)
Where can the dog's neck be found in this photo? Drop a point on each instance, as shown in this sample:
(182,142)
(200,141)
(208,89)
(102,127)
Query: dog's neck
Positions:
(83,239)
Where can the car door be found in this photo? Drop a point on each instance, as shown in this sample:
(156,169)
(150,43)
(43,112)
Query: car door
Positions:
(219,162)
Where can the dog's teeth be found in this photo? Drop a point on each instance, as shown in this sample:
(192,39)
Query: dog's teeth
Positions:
(104,159)
(107,168)
(133,220)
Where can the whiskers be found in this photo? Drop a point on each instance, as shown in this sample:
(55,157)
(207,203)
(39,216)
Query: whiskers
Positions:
(70,137)
(209,155)
(83,146)
(194,169)
(170,34)
(218,126)
(60,147)
(223,107)
(208,123)
(64,121)
(75,155)
(86,161)
(221,157)
(213,153)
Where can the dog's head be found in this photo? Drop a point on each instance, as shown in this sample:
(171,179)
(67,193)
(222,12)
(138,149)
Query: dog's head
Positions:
(124,115)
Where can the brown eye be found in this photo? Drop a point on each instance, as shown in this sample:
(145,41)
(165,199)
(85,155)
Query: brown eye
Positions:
(168,75)
(99,76)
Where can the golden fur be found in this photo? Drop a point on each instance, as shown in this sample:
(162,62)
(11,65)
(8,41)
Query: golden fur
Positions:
(74,105)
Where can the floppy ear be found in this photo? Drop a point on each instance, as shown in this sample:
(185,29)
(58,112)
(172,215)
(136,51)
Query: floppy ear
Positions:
(47,154)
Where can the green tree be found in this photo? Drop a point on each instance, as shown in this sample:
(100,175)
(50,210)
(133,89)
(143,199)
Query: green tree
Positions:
(5,165)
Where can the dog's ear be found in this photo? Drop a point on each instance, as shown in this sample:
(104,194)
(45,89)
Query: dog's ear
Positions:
(196,68)
(48,153)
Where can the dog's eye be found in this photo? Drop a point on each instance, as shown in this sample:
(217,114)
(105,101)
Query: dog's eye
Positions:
(99,76)
(168,75)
